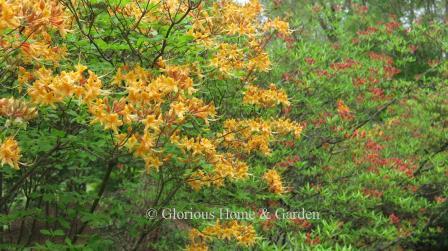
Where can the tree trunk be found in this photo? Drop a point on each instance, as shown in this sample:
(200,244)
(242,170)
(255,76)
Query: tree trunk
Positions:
(446,10)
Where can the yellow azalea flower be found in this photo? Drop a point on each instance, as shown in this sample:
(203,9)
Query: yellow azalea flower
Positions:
(144,144)
(127,114)
(197,180)
(108,120)
(284,126)
(197,247)
(92,88)
(23,78)
(196,241)
(228,58)
(152,161)
(260,62)
(42,93)
(118,77)
(274,182)
(49,89)
(243,234)
(16,109)
(63,87)
(256,135)
(198,109)
(168,84)
(112,121)
(42,50)
(277,24)
(247,235)
(79,70)
(265,97)
(152,122)
(10,152)
(178,109)
(8,17)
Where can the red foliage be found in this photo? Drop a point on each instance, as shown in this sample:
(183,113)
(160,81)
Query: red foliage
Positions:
(312,241)
(392,26)
(324,73)
(390,71)
(381,57)
(301,223)
(372,193)
(378,93)
(310,61)
(359,81)
(394,219)
(346,64)
(289,161)
(412,48)
(367,32)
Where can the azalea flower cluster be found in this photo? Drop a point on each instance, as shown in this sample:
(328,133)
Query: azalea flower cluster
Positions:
(10,152)
(265,98)
(45,88)
(17,111)
(26,25)
(274,181)
(228,58)
(210,22)
(153,108)
(279,25)
(162,104)
(143,14)
(146,97)
(251,135)
(245,235)
(225,164)
(233,19)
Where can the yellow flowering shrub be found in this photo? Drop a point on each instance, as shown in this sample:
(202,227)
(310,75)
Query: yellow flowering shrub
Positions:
(124,90)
